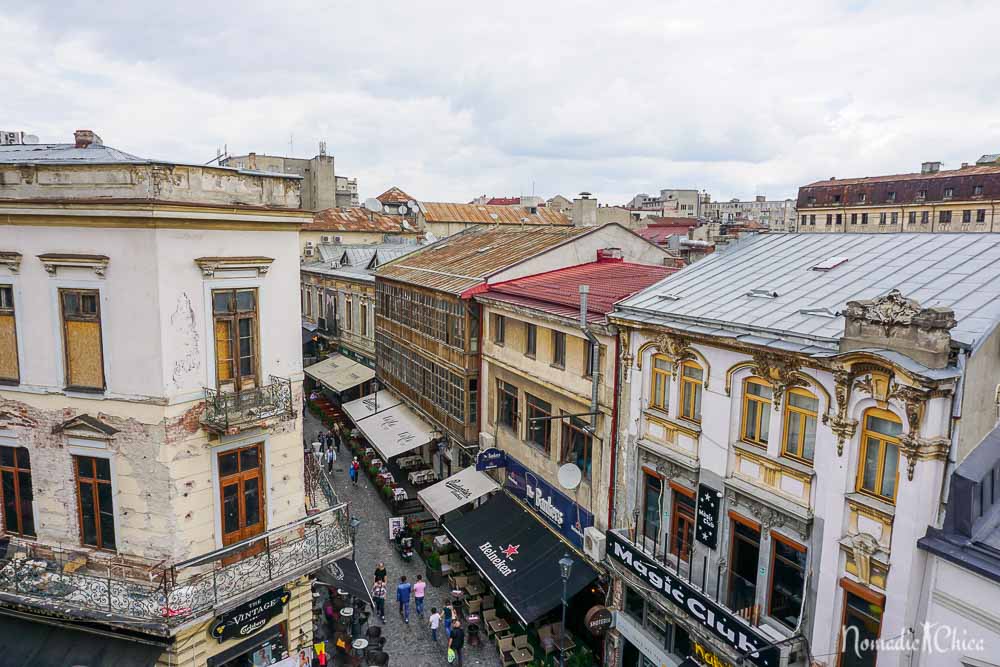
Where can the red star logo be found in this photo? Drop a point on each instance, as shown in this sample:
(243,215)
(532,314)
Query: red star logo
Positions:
(510,550)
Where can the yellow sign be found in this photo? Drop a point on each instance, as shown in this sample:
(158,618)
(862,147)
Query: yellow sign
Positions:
(708,658)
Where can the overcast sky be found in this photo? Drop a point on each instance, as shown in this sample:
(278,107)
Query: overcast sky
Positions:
(452,100)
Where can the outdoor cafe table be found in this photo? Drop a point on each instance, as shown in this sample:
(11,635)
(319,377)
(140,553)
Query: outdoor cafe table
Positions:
(498,625)
(473,590)
(521,656)
(566,643)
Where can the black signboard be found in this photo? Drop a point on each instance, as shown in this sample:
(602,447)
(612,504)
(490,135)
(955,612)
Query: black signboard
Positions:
(706,529)
(726,627)
(491,458)
(250,616)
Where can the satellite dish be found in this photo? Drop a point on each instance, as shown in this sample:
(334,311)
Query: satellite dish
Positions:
(412,204)
(402,210)
(407,226)
(373,205)
(430,237)
(385,209)
(569,476)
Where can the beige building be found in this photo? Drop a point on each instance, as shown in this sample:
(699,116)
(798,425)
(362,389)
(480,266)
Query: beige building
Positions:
(149,411)
(352,226)
(931,200)
(777,215)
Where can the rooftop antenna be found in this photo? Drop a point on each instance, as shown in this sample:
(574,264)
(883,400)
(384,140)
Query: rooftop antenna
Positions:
(291,144)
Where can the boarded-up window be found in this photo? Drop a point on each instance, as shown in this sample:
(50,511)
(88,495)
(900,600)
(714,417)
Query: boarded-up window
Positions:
(235,313)
(81,312)
(8,336)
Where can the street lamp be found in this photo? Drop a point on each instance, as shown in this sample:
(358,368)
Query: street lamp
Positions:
(565,568)
(355,522)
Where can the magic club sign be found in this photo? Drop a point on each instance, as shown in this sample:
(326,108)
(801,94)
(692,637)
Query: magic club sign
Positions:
(250,616)
(726,627)
(555,507)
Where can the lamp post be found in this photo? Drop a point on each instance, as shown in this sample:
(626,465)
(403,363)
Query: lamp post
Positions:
(565,568)
(355,522)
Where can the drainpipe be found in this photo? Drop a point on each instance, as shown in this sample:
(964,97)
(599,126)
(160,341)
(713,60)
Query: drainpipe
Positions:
(614,433)
(595,347)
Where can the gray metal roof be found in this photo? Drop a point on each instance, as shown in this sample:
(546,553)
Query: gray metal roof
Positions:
(361,255)
(957,271)
(65,154)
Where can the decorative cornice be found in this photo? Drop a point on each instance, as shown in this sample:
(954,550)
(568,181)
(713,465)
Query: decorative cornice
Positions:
(12,260)
(211,265)
(54,261)
(915,449)
(888,311)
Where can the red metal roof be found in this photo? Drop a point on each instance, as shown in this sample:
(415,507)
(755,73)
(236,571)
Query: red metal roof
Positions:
(394,196)
(354,219)
(558,292)
(659,233)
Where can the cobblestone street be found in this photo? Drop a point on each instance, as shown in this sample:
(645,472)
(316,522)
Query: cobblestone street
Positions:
(408,645)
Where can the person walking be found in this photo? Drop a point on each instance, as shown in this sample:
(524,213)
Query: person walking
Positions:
(435,623)
(331,458)
(337,436)
(418,595)
(449,613)
(356,467)
(457,641)
(378,594)
(380,572)
(403,597)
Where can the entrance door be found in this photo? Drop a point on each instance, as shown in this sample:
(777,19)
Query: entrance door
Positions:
(241,486)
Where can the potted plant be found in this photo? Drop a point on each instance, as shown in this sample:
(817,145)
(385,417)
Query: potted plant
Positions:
(434,575)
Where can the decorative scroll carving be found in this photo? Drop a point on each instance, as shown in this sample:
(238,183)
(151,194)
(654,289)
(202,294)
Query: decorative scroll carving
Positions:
(624,345)
(679,350)
(863,547)
(12,260)
(780,370)
(888,311)
(53,261)
(211,265)
(840,424)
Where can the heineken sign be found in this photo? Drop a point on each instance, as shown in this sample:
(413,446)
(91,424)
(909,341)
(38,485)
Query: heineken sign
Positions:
(725,626)
(250,616)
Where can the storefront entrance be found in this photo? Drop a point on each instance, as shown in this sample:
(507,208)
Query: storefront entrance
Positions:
(270,647)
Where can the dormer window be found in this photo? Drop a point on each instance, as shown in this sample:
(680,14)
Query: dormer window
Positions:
(949,193)
(890,197)
(862,197)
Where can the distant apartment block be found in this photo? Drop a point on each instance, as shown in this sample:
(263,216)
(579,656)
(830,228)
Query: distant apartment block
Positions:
(670,202)
(776,214)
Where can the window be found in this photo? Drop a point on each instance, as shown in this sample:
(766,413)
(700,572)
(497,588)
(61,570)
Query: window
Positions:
(854,218)
(912,217)
(539,432)
(981,215)
(756,411)
(925,217)
(862,623)
(9,371)
(577,444)
(83,350)
(881,218)
(862,197)
(363,317)
(96,508)
(241,487)
(652,507)
(634,603)
(836,199)
(810,200)
(235,314)
(659,386)
(559,349)
(530,340)
(894,217)
(473,400)
(829,219)
(348,314)
(15,491)
(788,578)
(800,424)
(890,196)
(682,523)
(804,218)
(691,379)
(879,461)
(864,218)
(949,193)
(507,412)
(499,329)
(307,298)
(967,215)
(812,220)
(977,190)
(921,195)
(744,552)
(590,364)
(840,219)
(944,217)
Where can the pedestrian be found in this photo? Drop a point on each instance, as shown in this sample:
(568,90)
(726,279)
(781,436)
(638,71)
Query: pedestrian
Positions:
(435,623)
(356,467)
(331,458)
(449,613)
(380,572)
(403,597)
(337,436)
(418,594)
(457,640)
(378,594)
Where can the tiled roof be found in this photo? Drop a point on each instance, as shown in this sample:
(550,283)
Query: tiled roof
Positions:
(948,173)
(394,196)
(466,259)
(558,292)
(353,219)
(484,214)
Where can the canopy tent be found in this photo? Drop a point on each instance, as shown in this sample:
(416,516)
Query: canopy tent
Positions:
(463,487)
(368,405)
(338,373)
(29,642)
(391,427)
(518,555)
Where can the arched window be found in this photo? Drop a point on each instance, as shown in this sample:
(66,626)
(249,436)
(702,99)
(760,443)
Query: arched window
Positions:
(756,411)
(800,424)
(878,465)
(692,376)
(659,383)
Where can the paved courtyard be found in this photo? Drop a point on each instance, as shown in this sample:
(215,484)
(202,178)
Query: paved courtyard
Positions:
(407,645)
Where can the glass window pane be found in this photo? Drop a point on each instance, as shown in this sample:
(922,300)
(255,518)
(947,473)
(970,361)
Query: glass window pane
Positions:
(884,426)
(693,372)
(227,464)
(246,300)
(71,303)
(765,421)
(88,304)
(230,508)
(869,475)
(889,471)
(220,302)
(107,516)
(7,456)
(634,604)
(103,468)
(809,443)
(804,402)
(663,364)
(751,421)
(27,512)
(793,434)
(9,500)
(23,458)
(759,390)
(88,514)
(251,499)
(249,459)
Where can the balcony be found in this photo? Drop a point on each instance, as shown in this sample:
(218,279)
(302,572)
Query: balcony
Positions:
(158,597)
(231,412)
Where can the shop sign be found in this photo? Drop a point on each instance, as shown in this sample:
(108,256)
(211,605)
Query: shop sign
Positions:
(707,657)
(490,459)
(556,508)
(598,620)
(707,526)
(250,616)
(726,627)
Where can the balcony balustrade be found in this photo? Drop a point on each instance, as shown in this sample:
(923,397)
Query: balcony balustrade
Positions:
(228,412)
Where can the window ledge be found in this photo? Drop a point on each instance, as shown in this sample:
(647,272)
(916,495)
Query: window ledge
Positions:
(797,465)
(872,503)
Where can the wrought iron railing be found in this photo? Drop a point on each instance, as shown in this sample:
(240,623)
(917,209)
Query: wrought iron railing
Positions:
(227,410)
(168,595)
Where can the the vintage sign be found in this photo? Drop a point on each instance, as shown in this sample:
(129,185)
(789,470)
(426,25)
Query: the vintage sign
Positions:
(250,616)
(558,509)
(598,620)
(706,528)
(490,459)
(725,626)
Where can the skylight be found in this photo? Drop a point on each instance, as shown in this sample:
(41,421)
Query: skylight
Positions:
(829,263)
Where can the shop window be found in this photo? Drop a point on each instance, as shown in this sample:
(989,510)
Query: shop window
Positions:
(559,349)
(530,340)
(878,467)
(692,376)
(634,603)
(659,385)
(756,411)
(862,624)
(507,411)
(539,432)
(788,576)
(15,491)
(577,444)
(83,349)
(241,487)
(96,505)
(652,503)
(743,558)
(499,329)
(235,314)
(8,336)
(682,523)
(800,425)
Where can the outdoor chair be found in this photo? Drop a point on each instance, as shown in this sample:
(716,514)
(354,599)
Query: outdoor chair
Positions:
(488,601)
(506,647)
(472,606)
(377,657)
(521,641)
(546,639)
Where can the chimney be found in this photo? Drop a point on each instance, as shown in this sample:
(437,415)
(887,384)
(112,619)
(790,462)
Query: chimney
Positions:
(610,255)
(86,138)
(584,211)
(930,167)
(252,162)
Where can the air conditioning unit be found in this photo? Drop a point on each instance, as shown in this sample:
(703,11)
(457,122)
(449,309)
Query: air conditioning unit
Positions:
(308,252)
(594,543)
(486,440)
(325,239)
(338,239)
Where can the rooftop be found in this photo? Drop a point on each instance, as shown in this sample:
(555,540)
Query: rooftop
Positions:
(355,219)
(769,287)
(66,154)
(394,196)
(485,214)
(916,176)
(660,233)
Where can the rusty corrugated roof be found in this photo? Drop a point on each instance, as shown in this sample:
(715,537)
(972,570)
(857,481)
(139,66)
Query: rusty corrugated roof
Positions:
(465,260)
(394,196)
(948,173)
(353,219)
(484,214)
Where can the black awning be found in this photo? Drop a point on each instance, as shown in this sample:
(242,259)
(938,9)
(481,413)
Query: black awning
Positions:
(518,555)
(25,642)
(344,573)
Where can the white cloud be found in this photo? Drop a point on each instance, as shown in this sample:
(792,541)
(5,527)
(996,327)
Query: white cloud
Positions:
(450,100)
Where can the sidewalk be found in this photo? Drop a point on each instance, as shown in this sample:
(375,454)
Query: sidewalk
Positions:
(410,644)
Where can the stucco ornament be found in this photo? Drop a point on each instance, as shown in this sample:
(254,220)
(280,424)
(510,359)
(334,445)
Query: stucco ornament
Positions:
(890,310)
(624,344)
(841,425)
(675,347)
(863,547)
(780,370)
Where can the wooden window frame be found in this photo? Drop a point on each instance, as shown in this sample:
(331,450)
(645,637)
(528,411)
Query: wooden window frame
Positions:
(869,596)
(658,375)
(532,409)
(530,340)
(792,544)
(687,407)
(9,310)
(683,549)
(240,477)
(760,401)
(16,470)
(233,316)
(515,411)
(571,425)
(648,475)
(749,523)
(95,317)
(883,441)
(499,327)
(558,349)
(802,415)
(95,483)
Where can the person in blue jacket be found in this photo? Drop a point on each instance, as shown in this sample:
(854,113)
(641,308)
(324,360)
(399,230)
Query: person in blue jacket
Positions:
(403,597)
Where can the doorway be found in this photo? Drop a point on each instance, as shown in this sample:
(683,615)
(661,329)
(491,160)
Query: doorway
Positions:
(241,491)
